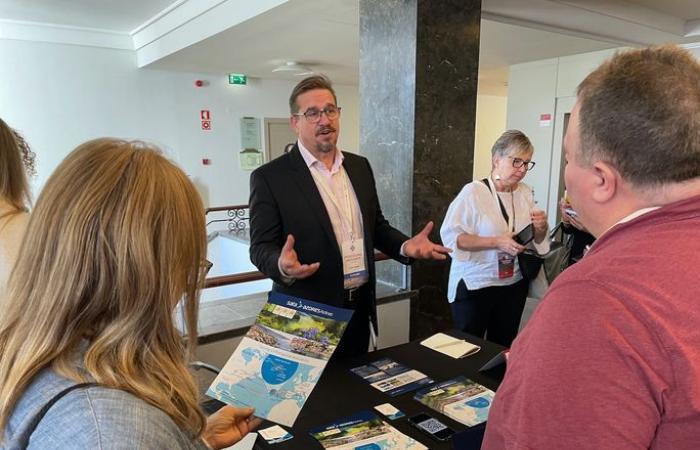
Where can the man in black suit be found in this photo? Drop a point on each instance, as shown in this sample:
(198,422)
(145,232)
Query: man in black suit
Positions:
(315,218)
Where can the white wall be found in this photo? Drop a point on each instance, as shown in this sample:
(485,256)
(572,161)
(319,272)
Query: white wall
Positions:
(59,96)
(230,256)
(490,124)
(531,89)
(549,87)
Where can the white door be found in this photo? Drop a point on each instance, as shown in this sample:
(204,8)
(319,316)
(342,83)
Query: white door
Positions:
(278,133)
(556,176)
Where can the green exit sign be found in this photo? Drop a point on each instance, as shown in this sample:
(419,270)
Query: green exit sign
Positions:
(237,78)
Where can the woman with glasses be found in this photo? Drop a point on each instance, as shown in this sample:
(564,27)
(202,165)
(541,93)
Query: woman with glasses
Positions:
(16,161)
(89,354)
(486,290)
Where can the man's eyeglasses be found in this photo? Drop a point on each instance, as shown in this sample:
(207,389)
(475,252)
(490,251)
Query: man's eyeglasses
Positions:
(518,163)
(313,115)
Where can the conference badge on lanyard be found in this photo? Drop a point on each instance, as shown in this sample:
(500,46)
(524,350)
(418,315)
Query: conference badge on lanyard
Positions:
(353,260)
(506,265)
(506,261)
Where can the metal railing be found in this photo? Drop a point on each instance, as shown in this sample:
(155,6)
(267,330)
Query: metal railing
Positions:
(238,221)
(237,217)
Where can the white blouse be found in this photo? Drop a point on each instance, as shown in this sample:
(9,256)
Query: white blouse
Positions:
(476,211)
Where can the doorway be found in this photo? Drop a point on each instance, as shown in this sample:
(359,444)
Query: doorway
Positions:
(278,134)
(556,175)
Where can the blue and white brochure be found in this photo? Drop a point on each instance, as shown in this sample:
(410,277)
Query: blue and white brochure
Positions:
(391,377)
(460,399)
(364,430)
(279,361)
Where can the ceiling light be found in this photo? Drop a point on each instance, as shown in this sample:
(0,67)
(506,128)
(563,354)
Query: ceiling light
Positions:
(294,68)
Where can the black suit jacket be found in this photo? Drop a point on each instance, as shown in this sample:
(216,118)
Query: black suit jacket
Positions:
(285,200)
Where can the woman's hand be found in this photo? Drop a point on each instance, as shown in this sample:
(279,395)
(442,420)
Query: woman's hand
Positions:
(568,218)
(228,426)
(563,206)
(539,221)
(505,243)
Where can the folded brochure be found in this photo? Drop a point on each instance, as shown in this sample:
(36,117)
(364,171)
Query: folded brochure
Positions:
(460,399)
(279,361)
(450,346)
(364,430)
(391,377)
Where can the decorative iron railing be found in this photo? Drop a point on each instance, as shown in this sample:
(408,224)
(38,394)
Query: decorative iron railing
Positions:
(237,217)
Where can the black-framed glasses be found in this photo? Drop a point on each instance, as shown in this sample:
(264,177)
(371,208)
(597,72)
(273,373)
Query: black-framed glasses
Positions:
(518,163)
(313,115)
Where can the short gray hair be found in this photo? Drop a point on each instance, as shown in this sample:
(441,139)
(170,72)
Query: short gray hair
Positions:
(511,139)
(640,111)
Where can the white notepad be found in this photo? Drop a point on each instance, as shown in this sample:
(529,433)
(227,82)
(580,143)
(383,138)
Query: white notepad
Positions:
(450,346)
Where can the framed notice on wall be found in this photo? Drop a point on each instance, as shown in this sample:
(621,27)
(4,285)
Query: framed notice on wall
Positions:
(250,133)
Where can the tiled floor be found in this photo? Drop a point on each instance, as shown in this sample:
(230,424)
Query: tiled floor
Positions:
(227,314)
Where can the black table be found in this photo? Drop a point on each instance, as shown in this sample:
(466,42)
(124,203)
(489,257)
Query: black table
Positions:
(341,393)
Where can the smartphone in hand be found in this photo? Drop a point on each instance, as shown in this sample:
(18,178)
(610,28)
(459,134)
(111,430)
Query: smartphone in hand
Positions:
(570,212)
(525,235)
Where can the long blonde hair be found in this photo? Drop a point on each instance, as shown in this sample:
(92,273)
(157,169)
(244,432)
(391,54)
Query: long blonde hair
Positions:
(115,240)
(14,188)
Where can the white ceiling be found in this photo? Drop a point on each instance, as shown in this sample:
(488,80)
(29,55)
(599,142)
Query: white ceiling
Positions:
(325,34)
(684,9)
(113,15)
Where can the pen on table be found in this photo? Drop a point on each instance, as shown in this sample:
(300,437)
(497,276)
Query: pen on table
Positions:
(447,344)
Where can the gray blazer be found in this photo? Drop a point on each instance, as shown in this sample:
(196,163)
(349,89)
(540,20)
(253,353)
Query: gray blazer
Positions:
(92,418)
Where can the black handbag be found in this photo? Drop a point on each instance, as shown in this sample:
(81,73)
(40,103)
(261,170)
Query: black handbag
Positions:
(557,259)
(530,264)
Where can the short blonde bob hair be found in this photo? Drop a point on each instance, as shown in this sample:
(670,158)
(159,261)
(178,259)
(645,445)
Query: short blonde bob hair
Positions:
(115,241)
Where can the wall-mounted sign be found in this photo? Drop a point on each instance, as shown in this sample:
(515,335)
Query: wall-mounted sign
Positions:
(250,159)
(237,78)
(545,120)
(205,117)
(250,133)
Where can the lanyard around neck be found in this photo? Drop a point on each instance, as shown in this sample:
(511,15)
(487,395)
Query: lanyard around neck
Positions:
(346,216)
(509,224)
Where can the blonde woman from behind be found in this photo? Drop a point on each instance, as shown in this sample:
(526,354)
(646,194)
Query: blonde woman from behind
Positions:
(14,198)
(118,238)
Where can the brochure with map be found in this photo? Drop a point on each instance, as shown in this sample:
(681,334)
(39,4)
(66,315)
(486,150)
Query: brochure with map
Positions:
(391,377)
(364,430)
(279,361)
(460,399)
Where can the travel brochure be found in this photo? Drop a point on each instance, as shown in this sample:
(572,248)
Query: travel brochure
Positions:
(461,399)
(279,361)
(390,377)
(364,430)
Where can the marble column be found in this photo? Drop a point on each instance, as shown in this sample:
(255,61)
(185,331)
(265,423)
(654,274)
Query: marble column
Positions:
(418,78)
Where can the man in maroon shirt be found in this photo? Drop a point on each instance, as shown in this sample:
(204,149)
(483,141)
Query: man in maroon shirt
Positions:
(611,357)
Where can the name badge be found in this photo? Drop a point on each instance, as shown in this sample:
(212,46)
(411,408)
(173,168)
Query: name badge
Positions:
(354,260)
(506,265)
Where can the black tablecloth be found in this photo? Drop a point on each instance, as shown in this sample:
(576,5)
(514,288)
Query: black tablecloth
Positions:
(340,393)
